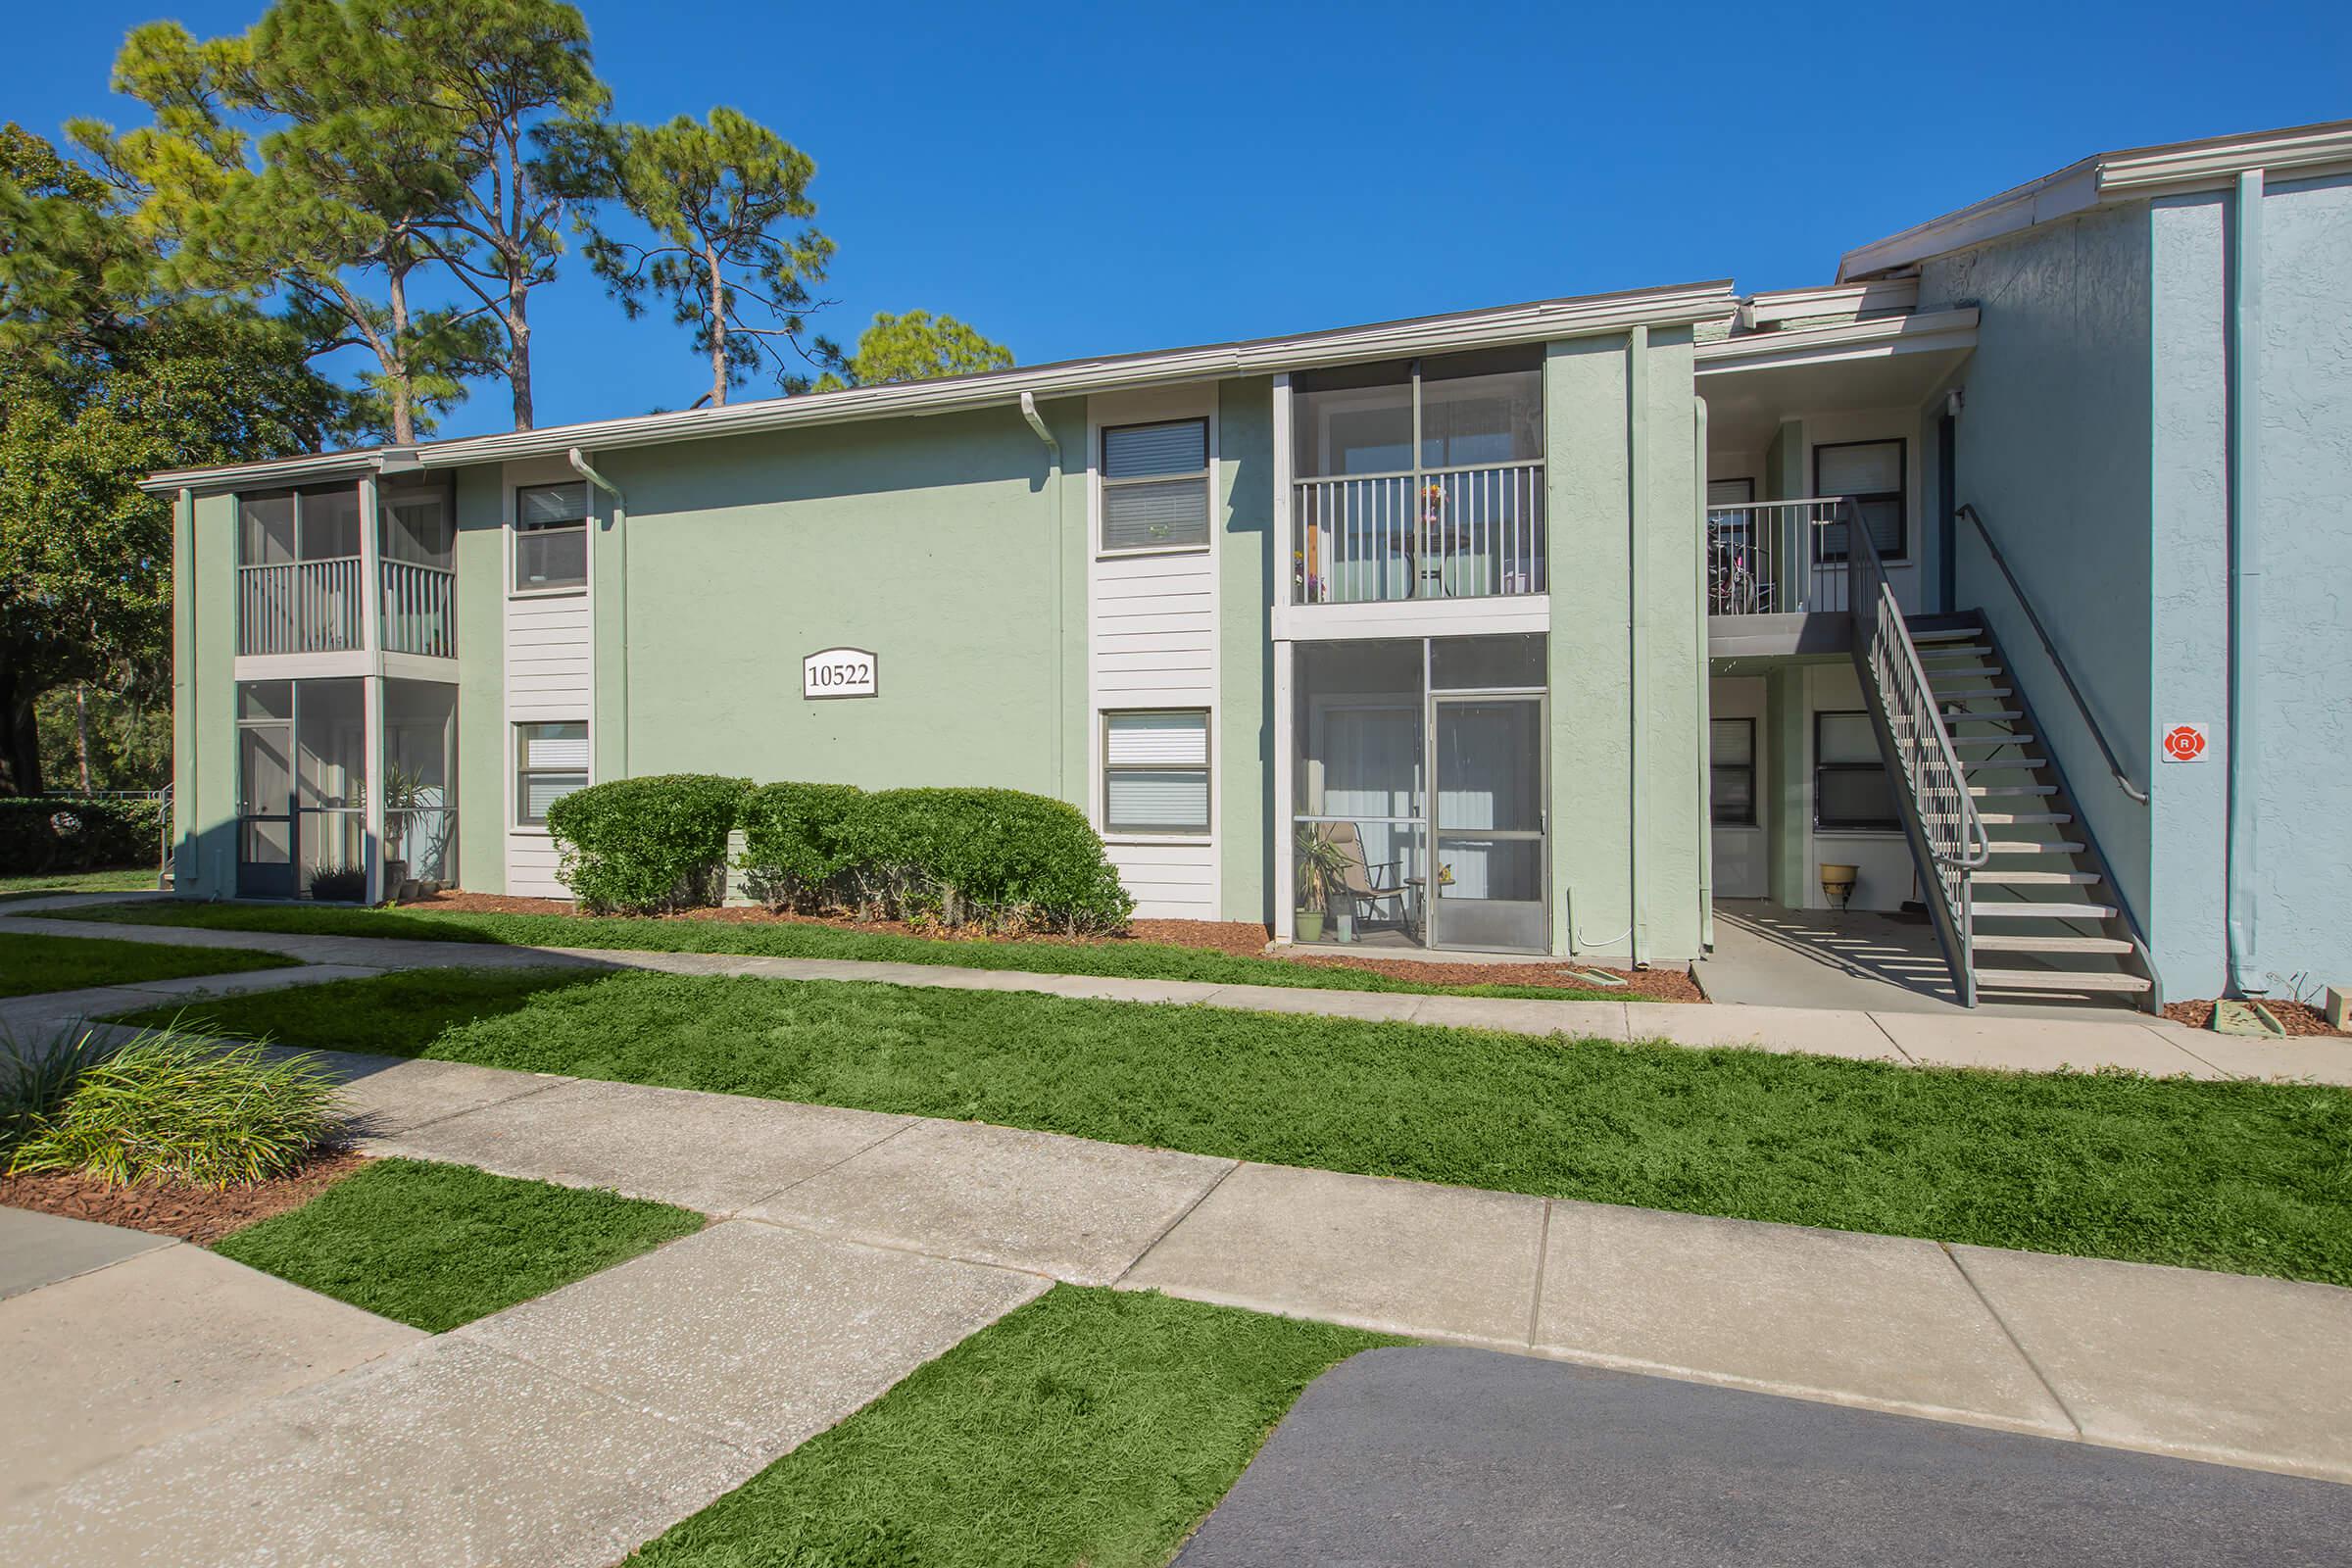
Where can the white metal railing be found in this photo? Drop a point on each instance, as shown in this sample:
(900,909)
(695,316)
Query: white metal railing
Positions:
(301,607)
(1467,532)
(420,609)
(1772,558)
(1943,812)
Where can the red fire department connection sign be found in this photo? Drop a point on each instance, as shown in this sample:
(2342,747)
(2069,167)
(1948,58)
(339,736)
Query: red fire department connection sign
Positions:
(2184,743)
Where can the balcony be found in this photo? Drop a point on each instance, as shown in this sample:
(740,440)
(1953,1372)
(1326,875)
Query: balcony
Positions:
(1776,558)
(319,607)
(1469,532)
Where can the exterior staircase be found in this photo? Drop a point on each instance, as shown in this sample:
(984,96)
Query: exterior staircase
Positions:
(2042,915)
(2021,900)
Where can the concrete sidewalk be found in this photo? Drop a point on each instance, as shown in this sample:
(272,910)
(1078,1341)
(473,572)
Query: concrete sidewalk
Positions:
(2214,1366)
(2120,1038)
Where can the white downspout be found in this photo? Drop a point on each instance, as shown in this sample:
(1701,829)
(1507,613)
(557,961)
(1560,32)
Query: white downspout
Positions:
(1059,719)
(2246,577)
(620,596)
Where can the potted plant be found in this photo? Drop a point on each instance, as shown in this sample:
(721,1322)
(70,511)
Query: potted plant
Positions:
(1322,865)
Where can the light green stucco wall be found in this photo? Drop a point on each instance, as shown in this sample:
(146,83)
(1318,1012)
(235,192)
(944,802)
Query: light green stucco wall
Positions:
(204,719)
(1623,504)
(481,682)
(1245,738)
(928,541)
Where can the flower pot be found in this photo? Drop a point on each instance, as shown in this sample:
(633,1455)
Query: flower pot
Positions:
(1837,884)
(1347,927)
(1310,925)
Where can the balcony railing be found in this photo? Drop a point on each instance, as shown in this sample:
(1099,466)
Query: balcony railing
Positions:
(1444,533)
(1776,558)
(319,607)
(420,609)
(301,607)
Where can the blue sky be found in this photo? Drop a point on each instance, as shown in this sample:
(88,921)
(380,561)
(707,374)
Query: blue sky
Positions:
(1100,178)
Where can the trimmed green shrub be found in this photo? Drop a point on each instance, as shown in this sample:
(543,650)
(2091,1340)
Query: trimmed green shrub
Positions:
(793,858)
(998,858)
(339,884)
(647,845)
(181,1104)
(78,833)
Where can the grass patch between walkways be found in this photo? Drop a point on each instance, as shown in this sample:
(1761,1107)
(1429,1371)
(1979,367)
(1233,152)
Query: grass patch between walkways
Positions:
(33,963)
(1137,960)
(1089,1427)
(2248,1177)
(437,1246)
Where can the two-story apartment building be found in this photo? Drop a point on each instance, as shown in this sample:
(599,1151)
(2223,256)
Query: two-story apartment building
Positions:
(1540,628)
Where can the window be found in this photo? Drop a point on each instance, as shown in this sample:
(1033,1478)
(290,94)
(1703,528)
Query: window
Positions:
(551,537)
(1155,771)
(1731,772)
(1872,472)
(1852,787)
(1156,485)
(551,761)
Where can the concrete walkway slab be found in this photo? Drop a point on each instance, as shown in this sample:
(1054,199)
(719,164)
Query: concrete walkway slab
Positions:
(1596,1020)
(2222,1367)
(2040,1044)
(715,1153)
(1377,1007)
(37,1249)
(447,1454)
(164,1342)
(1821,1030)
(386,1095)
(1403,1258)
(2315,1058)
(1070,1207)
(756,1334)
(1881,1320)
(1429,1457)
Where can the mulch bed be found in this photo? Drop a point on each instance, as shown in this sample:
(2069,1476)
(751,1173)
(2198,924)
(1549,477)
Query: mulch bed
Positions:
(175,1209)
(1242,938)
(2301,1018)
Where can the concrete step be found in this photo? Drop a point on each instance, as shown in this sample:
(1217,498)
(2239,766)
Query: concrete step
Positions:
(2004,765)
(1951,651)
(2057,980)
(1983,715)
(1998,943)
(2021,818)
(1923,631)
(2033,846)
(2032,910)
(2034,879)
(1987,792)
(2014,738)
(1958,694)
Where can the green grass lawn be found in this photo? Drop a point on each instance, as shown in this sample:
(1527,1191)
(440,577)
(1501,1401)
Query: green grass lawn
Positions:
(1144,960)
(437,1246)
(30,963)
(2241,1176)
(131,879)
(1091,1427)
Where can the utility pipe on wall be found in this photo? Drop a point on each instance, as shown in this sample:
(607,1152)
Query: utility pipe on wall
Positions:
(2245,575)
(1059,719)
(620,593)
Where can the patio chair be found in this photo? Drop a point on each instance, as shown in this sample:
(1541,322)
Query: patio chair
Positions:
(1368,887)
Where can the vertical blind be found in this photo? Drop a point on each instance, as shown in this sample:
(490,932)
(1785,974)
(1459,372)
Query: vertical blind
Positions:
(1156,772)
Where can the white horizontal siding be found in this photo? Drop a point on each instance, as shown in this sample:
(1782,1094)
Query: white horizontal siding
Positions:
(531,868)
(550,675)
(1169,881)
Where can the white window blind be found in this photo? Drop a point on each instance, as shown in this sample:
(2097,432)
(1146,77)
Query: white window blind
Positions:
(546,505)
(551,761)
(1156,772)
(1872,472)
(1156,485)
(551,537)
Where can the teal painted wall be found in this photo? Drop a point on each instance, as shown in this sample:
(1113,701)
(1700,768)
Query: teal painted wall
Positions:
(1246,739)
(930,542)
(2054,451)
(481,685)
(1618,448)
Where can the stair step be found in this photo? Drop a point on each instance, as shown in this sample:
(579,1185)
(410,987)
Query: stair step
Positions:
(2033,944)
(2032,846)
(2021,818)
(1952,650)
(2003,764)
(2057,980)
(2014,738)
(1993,791)
(2034,879)
(2031,909)
(1950,694)
(1946,634)
(1983,715)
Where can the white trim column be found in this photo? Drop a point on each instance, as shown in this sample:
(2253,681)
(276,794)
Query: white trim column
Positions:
(371,687)
(1286,872)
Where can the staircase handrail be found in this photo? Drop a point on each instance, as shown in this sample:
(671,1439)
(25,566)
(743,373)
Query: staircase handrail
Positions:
(2115,767)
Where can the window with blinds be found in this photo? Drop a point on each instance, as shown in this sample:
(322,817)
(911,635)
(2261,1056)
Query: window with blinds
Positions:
(1155,771)
(1732,771)
(551,537)
(1852,787)
(1872,472)
(551,761)
(1155,486)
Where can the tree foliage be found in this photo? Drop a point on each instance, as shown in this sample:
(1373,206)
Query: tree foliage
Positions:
(917,346)
(733,254)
